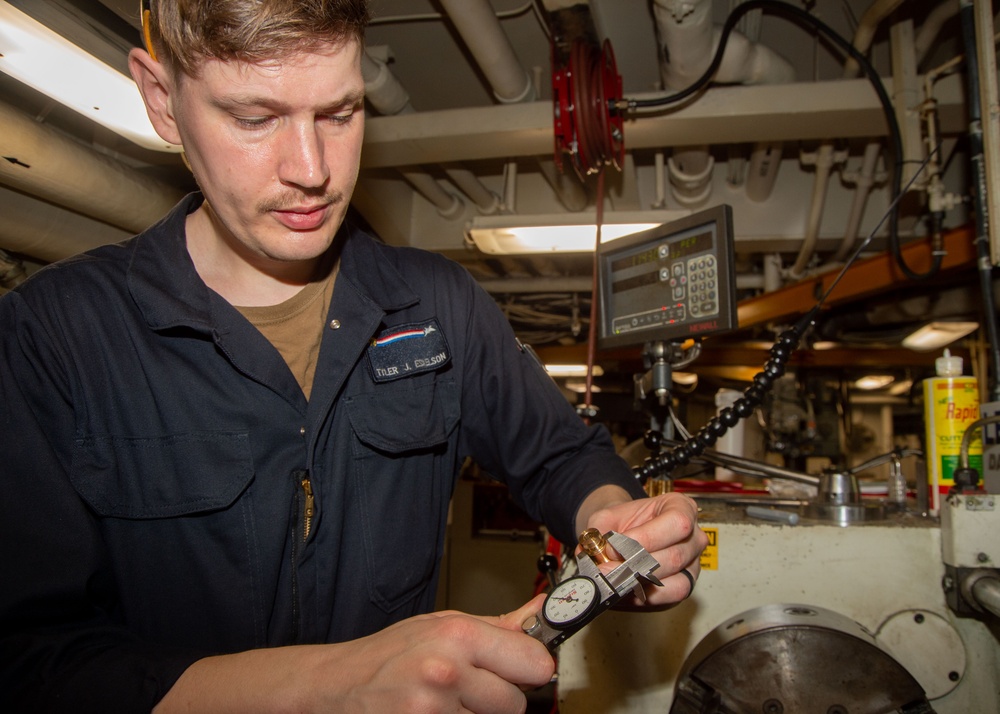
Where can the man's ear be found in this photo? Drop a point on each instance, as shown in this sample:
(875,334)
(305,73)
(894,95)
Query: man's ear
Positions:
(156,86)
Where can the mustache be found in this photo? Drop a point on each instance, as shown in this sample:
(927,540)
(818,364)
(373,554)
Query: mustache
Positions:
(284,202)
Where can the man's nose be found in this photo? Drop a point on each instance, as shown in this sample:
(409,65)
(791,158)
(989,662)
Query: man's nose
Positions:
(303,159)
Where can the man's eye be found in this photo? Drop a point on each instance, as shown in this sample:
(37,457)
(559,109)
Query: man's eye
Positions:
(252,122)
(340,118)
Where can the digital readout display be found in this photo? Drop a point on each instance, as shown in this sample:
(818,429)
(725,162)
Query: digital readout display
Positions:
(674,250)
(642,257)
(636,281)
(670,282)
(691,244)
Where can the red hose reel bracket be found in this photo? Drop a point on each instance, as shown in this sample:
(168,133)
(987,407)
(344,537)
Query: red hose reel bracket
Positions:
(587,127)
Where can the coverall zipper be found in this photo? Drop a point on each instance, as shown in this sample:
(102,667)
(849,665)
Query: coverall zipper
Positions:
(309,510)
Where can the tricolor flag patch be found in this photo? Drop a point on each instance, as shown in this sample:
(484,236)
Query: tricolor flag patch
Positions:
(404,350)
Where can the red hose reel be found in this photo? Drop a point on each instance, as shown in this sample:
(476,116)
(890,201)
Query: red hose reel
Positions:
(588,128)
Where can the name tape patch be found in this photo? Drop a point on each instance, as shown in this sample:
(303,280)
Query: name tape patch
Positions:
(405,350)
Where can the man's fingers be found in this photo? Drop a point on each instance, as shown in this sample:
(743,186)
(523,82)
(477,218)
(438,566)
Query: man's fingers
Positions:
(514,620)
(511,655)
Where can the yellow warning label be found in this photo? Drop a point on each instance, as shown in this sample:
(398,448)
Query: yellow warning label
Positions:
(710,556)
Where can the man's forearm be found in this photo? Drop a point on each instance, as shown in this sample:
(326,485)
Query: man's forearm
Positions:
(254,681)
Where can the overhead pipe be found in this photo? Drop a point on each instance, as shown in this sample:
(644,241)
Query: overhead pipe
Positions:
(689,38)
(480,30)
(510,187)
(824,160)
(382,89)
(659,169)
(479,27)
(931,26)
(863,186)
(45,163)
(47,232)
(388,96)
(571,192)
(863,37)
(762,174)
(486,201)
(447,204)
(685,31)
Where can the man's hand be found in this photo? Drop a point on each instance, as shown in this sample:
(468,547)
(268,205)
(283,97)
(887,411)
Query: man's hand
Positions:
(446,661)
(666,526)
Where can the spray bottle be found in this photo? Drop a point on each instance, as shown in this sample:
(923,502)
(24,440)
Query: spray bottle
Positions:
(951,404)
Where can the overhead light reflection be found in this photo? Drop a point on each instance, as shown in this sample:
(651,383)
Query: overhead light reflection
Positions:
(874,381)
(558,233)
(935,335)
(572,370)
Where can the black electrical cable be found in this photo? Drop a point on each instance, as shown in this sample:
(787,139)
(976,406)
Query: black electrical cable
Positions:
(753,395)
(741,409)
(895,136)
(980,202)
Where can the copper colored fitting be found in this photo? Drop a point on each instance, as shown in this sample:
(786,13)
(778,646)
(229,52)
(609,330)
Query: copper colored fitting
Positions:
(594,545)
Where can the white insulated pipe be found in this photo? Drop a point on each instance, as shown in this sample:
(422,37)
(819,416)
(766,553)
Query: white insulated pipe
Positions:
(382,89)
(685,31)
(478,25)
(765,159)
(389,97)
(481,32)
(447,204)
(867,27)
(486,201)
(568,188)
(690,39)
(48,233)
(863,36)
(62,171)
(863,186)
(824,162)
(931,26)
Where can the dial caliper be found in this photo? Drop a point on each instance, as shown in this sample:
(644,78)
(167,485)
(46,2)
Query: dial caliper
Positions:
(579,599)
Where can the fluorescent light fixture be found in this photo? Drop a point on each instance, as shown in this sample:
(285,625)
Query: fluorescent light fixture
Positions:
(575,385)
(571,370)
(558,233)
(874,381)
(35,55)
(935,335)
(901,388)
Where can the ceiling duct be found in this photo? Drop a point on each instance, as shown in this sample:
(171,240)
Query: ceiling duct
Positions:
(42,162)
(47,232)
(688,40)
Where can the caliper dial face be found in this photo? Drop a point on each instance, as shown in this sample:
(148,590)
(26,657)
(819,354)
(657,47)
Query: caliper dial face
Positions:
(571,601)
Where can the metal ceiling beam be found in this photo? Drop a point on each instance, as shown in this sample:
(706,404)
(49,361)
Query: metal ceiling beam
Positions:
(840,109)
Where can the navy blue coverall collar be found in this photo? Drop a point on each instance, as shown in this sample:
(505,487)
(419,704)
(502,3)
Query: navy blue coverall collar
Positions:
(164,283)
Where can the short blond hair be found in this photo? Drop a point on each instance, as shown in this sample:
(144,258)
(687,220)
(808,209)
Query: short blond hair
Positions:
(183,33)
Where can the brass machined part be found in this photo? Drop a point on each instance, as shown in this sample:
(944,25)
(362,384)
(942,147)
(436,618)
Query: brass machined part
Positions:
(658,486)
(594,545)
